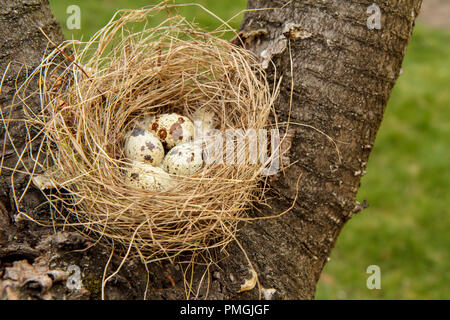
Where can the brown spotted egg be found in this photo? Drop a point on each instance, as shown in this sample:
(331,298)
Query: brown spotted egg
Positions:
(206,118)
(143,145)
(148,177)
(184,159)
(172,129)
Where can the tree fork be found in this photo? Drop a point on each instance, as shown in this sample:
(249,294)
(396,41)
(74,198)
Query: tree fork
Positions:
(338,75)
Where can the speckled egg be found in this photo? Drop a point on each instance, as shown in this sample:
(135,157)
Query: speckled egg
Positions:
(172,129)
(184,159)
(145,121)
(208,119)
(148,177)
(143,145)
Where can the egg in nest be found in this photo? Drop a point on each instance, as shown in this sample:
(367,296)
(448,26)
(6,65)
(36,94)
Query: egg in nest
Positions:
(148,177)
(172,129)
(184,159)
(143,145)
(206,118)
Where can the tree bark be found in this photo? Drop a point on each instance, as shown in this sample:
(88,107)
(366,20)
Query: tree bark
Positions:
(339,74)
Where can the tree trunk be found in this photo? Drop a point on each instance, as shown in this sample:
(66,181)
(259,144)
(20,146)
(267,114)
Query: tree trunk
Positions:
(339,73)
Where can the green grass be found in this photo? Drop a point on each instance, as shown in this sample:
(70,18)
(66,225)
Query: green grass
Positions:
(95,14)
(405,230)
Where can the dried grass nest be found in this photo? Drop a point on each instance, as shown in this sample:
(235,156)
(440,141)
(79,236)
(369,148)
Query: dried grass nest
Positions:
(91,99)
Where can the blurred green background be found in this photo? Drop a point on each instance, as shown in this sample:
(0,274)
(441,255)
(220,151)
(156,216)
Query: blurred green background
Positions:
(406,229)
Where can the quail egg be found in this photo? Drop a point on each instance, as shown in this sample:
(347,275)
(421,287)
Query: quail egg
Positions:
(206,118)
(183,159)
(148,177)
(172,129)
(145,121)
(143,145)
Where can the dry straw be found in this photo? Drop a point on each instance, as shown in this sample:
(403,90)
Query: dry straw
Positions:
(93,95)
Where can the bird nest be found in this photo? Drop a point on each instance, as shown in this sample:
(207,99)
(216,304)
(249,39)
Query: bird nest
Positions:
(93,93)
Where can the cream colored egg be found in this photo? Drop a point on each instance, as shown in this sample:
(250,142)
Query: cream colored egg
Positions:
(206,118)
(172,129)
(143,145)
(148,177)
(184,159)
(145,121)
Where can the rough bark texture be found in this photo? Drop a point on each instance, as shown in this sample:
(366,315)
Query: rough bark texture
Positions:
(341,77)
(22,46)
